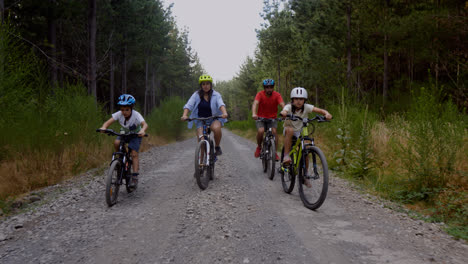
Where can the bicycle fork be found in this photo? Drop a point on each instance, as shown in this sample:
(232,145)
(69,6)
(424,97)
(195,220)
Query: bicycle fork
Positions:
(207,153)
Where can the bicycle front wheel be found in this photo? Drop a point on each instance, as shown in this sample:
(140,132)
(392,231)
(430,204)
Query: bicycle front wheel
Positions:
(113,182)
(271,159)
(288,178)
(128,178)
(263,156)
(202,165)
(213,160)
(313,178)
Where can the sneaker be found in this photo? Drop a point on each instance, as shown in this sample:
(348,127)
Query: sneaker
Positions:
(257,151)
(218,151)
(277,157)
(134,181)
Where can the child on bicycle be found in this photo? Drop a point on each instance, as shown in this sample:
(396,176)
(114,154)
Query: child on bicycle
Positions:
(297,107)
(131,121)
(266,103)
(206,102)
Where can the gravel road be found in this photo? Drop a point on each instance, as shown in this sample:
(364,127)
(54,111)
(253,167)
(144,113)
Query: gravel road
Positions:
(242,217)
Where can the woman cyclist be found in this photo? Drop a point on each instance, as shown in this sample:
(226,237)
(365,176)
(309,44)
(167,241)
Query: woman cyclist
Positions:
(206,102)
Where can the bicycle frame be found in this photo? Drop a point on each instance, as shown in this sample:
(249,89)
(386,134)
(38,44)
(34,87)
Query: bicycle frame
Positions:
(296,149)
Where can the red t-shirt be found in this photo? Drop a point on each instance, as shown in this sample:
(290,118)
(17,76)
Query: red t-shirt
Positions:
(268,106)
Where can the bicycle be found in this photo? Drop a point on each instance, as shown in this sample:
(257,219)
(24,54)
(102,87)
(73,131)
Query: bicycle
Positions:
(120,167)
(303,153)
(204,155)
(268,153)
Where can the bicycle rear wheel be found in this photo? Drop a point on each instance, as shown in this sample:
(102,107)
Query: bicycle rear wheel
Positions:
(202,166)
(288,179)
(315,171)
(114,175)
(271,159)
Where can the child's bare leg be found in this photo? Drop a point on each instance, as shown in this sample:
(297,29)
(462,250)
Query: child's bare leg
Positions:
(116,144)
(288,134)
(136,162)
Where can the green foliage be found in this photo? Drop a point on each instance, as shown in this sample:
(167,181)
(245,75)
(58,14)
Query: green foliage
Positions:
(434,135)
(165,120)
(241,125)
(37,117)
(362,160)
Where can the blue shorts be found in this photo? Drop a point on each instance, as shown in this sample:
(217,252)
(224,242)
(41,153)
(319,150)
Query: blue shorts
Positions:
(134,143)
(199,123)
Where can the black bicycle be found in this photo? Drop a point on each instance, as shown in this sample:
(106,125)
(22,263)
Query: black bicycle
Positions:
(205,156)
(120,167)
(308,163)
(268,153)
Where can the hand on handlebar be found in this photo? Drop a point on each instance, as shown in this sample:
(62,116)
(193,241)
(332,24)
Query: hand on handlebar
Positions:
(184,118)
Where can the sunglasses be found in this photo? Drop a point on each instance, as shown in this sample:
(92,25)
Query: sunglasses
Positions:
(269,86)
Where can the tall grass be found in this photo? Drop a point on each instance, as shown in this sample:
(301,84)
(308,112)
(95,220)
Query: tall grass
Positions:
(165,120)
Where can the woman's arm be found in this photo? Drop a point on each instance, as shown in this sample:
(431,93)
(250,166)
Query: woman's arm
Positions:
(223,109)
(185,114)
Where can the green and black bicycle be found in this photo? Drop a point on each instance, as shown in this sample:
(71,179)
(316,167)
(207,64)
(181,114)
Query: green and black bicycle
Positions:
(308,163)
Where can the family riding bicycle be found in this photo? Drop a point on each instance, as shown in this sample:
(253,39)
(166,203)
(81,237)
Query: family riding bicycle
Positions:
(300,157)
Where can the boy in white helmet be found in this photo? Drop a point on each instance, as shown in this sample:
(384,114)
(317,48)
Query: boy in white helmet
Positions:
(297,107)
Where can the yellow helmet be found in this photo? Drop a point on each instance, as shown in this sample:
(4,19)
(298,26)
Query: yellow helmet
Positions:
(205,78)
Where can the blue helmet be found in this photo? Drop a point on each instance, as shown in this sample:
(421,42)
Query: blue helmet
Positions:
(126,100)
(267,82)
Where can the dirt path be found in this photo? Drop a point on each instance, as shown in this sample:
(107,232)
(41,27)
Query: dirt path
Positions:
(241,218)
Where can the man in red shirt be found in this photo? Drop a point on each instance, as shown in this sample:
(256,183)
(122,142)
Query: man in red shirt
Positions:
(266,102)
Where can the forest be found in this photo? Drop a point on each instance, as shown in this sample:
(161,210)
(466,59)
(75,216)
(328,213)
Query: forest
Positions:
(394,74)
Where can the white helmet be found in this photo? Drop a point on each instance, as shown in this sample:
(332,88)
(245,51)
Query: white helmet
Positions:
(299,92)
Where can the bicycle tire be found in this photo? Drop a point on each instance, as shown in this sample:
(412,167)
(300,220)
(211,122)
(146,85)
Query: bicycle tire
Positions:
(288,179)
(112,182)
(314,196)
(212,157)
(128,179)
(202,165)
(271,159)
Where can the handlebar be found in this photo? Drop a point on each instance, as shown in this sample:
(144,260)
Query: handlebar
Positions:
(318,118)
(203,118)
(269,119)
(112,132)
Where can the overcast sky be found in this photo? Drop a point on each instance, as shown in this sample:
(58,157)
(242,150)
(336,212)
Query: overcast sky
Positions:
(222,32)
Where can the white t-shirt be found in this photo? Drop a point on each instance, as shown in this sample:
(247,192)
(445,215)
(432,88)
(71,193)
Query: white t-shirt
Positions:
(297,125)
(133,124)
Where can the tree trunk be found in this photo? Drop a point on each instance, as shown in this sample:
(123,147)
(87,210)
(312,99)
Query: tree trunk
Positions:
(92,48)
(124,70)
(2,10)
(348,45)
(316,95)
(2,60)
(111,81)
(145,106)
(358,92)
(385,77)
(52,38)
(279,75)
